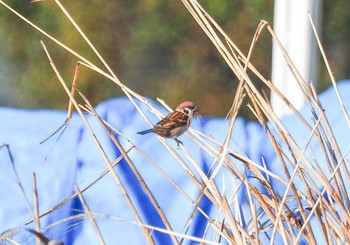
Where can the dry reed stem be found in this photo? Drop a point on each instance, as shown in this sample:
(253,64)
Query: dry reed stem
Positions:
(18,180)
(191,160)
(342,225)
(331,75)
(129,93)
(319,109)
(307,93)
(133,168)
(89,214)
(291,184)
(202,191)
(71,197)
(36,208)
(99,147)
(236,65)
(150,161)
(274,207)
(193,6)
(142,225)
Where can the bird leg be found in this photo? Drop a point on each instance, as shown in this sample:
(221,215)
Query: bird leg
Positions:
(178,142)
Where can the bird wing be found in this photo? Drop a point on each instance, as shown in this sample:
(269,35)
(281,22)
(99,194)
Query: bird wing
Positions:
(174,120)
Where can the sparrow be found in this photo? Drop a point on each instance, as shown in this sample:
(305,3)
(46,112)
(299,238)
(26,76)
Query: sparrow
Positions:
(176,123)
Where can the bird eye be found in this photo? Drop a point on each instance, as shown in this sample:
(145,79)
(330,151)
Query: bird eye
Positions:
(187,110)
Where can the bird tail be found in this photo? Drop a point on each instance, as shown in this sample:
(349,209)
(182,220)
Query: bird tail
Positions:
(145,131)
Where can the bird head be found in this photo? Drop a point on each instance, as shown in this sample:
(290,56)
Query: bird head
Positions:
(188,107)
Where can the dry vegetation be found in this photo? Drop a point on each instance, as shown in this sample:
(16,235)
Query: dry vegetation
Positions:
(285,214)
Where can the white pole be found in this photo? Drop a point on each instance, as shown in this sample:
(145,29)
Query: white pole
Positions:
(292,27)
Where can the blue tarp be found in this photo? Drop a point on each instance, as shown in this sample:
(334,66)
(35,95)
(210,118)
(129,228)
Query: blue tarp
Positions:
(74,158)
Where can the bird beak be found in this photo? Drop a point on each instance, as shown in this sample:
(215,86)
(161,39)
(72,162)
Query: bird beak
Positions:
(196,109)
(196,112)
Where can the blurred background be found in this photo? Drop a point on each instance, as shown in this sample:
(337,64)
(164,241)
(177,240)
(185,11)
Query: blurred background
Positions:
(155,48)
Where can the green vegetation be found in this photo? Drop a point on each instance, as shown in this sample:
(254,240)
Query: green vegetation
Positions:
(155,47)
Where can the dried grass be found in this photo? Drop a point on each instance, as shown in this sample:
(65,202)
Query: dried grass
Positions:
(270,212)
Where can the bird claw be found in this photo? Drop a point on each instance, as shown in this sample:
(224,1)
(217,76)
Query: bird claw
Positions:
(178,142)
